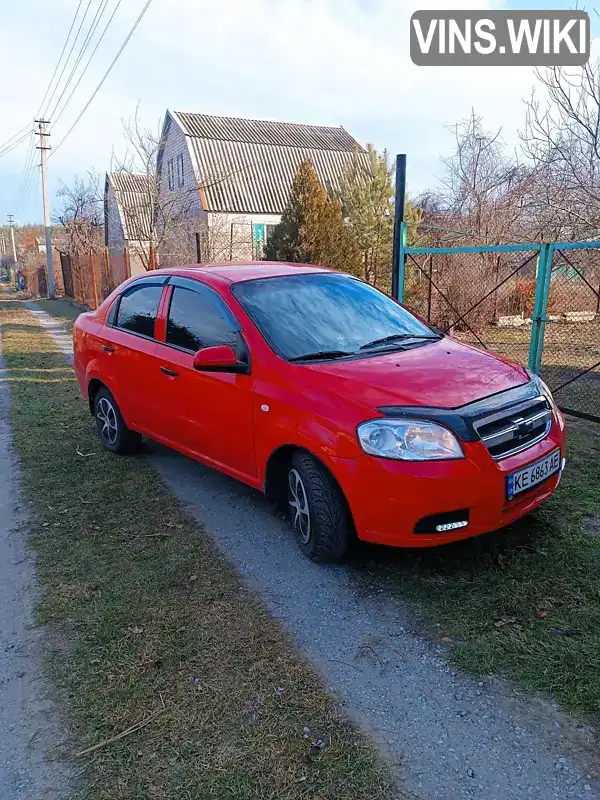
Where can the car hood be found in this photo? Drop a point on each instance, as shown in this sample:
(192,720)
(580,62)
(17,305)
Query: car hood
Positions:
(444,374)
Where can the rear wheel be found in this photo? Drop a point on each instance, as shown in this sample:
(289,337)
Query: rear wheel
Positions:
(110,426)
(317,510)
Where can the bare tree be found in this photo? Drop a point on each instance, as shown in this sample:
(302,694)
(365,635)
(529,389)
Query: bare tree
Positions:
(482,190)
(154,220)
(175,217)
(562,140)
(80,215)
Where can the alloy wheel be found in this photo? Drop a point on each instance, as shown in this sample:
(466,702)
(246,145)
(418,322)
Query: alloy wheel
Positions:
(298,501)
(107,416)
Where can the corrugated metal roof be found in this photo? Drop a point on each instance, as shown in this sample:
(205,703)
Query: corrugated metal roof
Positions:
(134,195)
(260,131)
(248,166)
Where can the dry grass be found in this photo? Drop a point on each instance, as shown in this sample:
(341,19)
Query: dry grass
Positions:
(151,625)
(523,601)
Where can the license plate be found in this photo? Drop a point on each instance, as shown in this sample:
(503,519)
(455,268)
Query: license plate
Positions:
(535,473)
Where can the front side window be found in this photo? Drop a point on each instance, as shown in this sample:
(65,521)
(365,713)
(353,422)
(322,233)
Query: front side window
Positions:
(329,314)
(138,308)
(196,320)
(171,172)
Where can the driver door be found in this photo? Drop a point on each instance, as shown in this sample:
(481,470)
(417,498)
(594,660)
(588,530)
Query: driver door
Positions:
(206,414)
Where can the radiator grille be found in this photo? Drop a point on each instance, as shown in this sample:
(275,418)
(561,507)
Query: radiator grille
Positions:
(516,428)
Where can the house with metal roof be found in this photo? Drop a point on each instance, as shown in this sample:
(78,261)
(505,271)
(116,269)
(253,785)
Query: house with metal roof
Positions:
(234,176)
(129,217)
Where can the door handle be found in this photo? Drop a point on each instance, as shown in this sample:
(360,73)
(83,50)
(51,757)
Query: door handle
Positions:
(108,349)
(171,372)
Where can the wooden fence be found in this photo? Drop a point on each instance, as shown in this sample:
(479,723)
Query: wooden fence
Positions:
(90,277)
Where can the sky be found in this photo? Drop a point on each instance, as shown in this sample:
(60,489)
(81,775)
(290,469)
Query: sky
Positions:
(336,62)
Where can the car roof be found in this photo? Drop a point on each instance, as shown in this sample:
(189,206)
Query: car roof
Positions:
(243,271)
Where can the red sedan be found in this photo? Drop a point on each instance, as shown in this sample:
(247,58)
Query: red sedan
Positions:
(327,395)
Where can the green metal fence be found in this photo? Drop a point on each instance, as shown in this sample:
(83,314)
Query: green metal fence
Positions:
(538,304)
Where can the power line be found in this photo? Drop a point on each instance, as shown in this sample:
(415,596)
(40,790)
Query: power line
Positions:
(106,74)
(89,36)
(27,176)
(74,89)
(31,152)
(62,52)
(68,58)
(14,136)
(11,147)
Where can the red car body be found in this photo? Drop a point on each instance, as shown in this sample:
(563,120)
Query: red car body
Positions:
(241,423)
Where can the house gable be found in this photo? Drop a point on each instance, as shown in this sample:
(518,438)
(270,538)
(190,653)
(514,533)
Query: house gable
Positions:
(247,167)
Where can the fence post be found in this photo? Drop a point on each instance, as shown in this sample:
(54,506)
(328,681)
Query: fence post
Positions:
(400,268)
(127,263)
(400,194)
(152,259)
(544,309)
(429,288)
(94,283)
(544,269)
(107,273)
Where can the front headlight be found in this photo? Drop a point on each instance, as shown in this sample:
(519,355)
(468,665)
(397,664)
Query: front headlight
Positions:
(542,386)
(408,440)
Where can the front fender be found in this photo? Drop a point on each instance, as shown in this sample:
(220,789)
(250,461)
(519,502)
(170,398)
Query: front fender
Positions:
(280,424)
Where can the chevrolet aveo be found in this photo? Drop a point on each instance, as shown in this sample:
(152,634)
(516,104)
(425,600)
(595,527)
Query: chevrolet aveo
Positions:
(333,399)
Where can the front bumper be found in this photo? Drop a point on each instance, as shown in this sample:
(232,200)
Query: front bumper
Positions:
(389,498)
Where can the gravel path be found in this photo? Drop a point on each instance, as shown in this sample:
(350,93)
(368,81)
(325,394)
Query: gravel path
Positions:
(456,738)
(28,724)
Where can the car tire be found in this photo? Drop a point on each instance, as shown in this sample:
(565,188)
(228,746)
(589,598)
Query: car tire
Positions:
(317,510)
(110,426)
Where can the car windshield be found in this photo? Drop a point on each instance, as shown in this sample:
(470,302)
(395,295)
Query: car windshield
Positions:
(327,316)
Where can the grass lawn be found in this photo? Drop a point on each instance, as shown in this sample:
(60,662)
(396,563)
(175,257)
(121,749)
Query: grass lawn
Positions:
(153,637)
(523,602)
(60,308)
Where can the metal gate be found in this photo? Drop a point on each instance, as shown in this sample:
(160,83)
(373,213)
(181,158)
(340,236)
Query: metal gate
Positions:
(538,304)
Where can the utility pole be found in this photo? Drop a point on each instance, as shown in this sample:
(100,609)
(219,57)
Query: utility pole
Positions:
(43,148)
(15,269)
(11,225)
(3,259)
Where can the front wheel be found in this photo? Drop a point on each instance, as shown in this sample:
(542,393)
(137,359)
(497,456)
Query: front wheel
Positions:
(317,510)
(110,426)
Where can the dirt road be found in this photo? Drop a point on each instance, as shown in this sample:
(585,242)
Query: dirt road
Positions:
(28,724)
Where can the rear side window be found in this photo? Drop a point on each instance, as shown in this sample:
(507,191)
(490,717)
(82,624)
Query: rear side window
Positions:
(137,310)
(196,320)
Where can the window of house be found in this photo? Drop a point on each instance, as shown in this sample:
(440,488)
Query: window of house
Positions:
(197,320)
(137,309)
(270,229)
(180,179)
(171,171)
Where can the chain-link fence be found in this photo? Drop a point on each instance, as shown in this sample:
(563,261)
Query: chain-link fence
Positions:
(484,297)
(570,358)
(537,304)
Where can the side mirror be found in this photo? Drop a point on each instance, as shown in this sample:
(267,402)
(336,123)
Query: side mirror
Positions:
(220,358)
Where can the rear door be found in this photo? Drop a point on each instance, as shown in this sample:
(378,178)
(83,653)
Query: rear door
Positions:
(128,347)
(208,414)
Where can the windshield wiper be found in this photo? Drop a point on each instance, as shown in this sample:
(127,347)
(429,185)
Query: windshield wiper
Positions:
(398,337)
(321,354)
